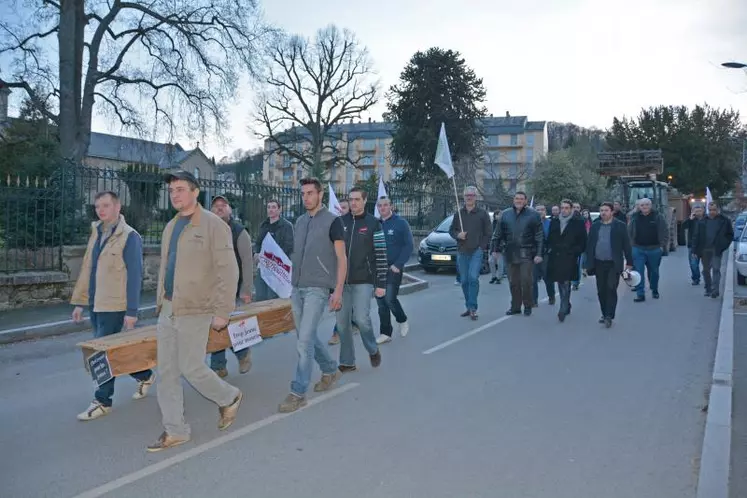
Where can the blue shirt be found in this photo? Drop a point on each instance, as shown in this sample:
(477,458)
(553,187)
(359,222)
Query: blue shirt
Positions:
(398,241)
(132,254)
(168,279)
(546,227)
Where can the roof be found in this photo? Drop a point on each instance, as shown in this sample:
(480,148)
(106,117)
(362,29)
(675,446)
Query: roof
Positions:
(501,125)
(137,151)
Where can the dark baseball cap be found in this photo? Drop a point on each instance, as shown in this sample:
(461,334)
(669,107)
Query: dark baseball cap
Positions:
(181,175)
(220,197)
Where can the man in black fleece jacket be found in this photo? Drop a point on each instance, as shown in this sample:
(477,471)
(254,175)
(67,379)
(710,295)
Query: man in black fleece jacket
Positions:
(367,270)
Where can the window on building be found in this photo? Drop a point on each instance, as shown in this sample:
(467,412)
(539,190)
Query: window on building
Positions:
(366,161)
(530,156)
(286,161)
(288,175)
(530,140)
(513,171)
(513,155)
(512,183)
(197,173)
(493,140)
(381,159)
(514,139)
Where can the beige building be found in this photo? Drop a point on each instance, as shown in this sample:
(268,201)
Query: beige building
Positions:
(512,146)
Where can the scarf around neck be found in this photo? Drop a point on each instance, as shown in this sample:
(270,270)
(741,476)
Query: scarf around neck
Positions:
(564,221)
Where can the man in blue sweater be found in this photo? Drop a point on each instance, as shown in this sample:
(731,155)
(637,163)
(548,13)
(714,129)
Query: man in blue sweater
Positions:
(109,284)
(398,251)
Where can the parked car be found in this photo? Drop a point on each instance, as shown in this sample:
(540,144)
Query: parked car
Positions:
(740,258)
(739,225)
(438,250)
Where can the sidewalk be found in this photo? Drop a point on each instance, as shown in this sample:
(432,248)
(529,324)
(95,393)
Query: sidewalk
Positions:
(33,323)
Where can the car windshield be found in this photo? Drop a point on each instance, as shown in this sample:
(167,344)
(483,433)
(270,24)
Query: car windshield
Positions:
(743,236)
(444,226)
(741,219)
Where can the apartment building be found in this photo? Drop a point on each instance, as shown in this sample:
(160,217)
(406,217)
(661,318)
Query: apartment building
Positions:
(512,146)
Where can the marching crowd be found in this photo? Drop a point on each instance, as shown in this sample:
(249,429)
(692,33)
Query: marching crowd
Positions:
(527,246)
(339,261)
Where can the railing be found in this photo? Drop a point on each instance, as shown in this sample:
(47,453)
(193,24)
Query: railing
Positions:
(38,216)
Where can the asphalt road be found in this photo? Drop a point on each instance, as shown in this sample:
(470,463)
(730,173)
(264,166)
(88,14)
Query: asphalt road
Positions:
(517,407)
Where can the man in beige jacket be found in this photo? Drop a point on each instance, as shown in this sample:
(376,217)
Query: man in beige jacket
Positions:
(196,290)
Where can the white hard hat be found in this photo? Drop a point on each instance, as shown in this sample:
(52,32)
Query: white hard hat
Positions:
(631,277)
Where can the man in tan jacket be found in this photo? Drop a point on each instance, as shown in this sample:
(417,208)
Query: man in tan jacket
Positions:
(109,284)
(196,290)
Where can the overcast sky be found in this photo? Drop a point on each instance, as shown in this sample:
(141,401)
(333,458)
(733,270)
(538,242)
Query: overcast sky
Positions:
(583,61)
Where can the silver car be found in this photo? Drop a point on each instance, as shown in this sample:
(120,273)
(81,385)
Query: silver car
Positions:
(740,258)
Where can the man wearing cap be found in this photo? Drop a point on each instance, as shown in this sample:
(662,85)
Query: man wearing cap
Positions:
(196,291)
(242,249)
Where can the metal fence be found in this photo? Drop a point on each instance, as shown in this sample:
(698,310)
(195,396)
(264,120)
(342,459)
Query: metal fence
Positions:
(40,216)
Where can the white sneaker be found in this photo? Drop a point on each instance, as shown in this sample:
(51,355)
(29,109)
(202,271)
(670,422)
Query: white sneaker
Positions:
(404,328)
(143,387)
(383,339)
(94,411)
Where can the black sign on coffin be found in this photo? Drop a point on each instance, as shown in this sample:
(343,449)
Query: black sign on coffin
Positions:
(98,365)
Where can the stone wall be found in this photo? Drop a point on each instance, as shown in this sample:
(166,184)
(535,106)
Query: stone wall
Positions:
(38,288)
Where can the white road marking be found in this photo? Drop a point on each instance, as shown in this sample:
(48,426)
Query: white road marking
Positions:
(197,450)
(479,329)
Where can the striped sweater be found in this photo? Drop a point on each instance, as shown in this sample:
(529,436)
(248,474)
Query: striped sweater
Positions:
(366,249)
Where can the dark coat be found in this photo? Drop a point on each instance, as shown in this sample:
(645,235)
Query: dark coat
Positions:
(724,235)
(519,236)
(620,241)
(564,249)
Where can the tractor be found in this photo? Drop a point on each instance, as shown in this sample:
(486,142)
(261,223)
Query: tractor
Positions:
(635,171)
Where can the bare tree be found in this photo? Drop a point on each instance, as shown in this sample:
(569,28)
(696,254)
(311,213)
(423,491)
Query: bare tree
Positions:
(157,64)
(313,86)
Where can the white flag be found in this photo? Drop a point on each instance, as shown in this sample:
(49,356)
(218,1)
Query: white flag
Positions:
(275,267)
(334,204)
(709,197)
(531,203)
(443,156)
(382,193)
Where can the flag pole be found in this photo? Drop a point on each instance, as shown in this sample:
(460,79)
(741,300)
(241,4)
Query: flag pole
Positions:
(459,208)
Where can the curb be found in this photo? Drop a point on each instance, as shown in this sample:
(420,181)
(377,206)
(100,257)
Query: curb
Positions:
(715,457)
(51,329)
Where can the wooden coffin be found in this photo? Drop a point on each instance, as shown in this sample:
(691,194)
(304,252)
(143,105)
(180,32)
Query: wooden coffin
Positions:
(135,350)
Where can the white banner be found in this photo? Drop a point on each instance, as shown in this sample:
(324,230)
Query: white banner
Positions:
(382,193)
(275,267)
(334,204)
(244,333)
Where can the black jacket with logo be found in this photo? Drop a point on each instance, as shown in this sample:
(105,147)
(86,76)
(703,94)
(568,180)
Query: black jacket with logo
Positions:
(365,245)
(520,236)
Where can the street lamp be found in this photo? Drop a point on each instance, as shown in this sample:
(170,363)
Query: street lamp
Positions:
(734,65)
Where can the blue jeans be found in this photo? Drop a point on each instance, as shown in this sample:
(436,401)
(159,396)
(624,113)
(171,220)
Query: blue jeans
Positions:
(218,359)
(356,307)
(389,304)
(648,259)
(581,264)
(262,291)
(469,265)
(308,304)
(104,324)
(694,266)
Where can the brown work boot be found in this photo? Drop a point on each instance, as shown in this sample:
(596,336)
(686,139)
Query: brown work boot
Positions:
(291,403)
(165,442)
(376,359)
(245,363)
(222,372)
(328,380)
(228,413)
